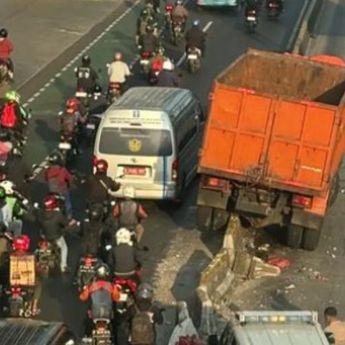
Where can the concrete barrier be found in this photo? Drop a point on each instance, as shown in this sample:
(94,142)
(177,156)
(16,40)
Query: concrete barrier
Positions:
(305,27)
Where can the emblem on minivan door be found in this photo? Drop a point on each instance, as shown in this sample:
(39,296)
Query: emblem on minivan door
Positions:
(134,145)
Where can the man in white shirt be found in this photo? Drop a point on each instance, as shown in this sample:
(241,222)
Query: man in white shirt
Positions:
(118,71)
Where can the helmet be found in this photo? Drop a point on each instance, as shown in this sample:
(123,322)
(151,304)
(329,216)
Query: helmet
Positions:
(144,12)
(2,193)
(55,158)
(168,65)
(8,186)
(72,103)
(86,60)
(179,3)
(196,23)
(97,89)
(101,166)
(118,56)
(160,51)
(96,212)
(21,243)
(3,33)
(50,202)
(145,291)
(128,192)
(102,271)
(123,236)
(12,96)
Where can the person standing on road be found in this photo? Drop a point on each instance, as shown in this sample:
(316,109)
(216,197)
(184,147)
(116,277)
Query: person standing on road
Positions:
(335,327)
(118,72)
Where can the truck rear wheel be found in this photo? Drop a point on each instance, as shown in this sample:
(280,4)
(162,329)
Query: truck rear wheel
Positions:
(294,236)
(204,218)
(311,238)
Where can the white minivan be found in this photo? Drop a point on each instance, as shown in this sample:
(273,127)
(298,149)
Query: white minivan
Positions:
(150,138)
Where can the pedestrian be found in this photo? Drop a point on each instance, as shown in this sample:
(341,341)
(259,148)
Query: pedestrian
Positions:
(335,327)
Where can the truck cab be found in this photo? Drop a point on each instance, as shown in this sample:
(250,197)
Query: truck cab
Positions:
(273,328)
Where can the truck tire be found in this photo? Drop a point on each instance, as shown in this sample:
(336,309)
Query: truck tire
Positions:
(204,218)
(311,238)
(294,236)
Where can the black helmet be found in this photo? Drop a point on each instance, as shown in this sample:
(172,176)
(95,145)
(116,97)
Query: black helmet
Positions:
(145,292)
(3,33)
(86,60)
(96,212)
(55,158)
(97,88)
(102,271)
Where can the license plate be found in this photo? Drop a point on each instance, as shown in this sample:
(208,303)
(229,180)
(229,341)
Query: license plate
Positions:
(251,19)
(90,126)
(192,57)
(144,62)
(65,146)
(134,171)
(123,297)
(80,94)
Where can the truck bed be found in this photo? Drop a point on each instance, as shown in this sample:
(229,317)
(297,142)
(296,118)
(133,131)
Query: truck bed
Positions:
(276,120)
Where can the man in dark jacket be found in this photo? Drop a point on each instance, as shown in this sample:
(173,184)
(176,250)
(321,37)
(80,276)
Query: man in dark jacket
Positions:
(53,224)
(86,75)
(167,77)
(149,42)
(195,37)
(99,185)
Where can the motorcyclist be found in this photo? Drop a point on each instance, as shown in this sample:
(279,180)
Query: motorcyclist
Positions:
(59,180)
(158,60)
(99,186)
(98,102)
(251,5)
(280,4)
(154,3)
(145,311)
(130,213)
(6,49)
(14,96)
(21,245)
(167,77)
(195,38)
(53,224)
(118,72)
(102,294)
(124,258)
(179,15)
(86,75)
(149,42)
(142,22)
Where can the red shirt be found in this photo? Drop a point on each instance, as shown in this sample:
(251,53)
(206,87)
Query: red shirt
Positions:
(6,48)
(61,176)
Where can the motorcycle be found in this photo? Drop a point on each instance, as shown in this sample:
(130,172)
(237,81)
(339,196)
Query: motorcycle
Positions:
(101,334)
(19,301)
(273,10)
(66,147)
(48,257)
(114,92)
(177,32)
(86,271)
(83,97)
(145,57)
(167,15)
(251,21)
(193,59)
(155,69)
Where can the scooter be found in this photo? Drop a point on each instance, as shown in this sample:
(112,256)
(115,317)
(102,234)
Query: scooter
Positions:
(19,301)
(251,21)
(48,258)
(193,59)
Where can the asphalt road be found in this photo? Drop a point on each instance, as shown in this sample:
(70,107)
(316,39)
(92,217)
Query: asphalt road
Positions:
(177,251)
(314,279)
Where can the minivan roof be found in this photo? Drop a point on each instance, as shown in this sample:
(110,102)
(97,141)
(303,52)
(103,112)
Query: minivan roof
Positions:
(27,332)
(167,99)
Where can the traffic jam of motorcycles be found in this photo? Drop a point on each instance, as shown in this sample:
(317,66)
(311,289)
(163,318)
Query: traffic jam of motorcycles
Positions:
(109,277)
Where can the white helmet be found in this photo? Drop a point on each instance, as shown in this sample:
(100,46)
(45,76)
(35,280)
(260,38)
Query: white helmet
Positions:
(128,192)
(123,236)
(168,65)
(9,186)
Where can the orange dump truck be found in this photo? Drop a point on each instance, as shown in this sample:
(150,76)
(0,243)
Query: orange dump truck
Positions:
(273,144)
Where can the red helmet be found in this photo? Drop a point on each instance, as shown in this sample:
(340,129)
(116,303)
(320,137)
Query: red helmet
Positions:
(21,243)
(101,166)
(72,103)
(50,202)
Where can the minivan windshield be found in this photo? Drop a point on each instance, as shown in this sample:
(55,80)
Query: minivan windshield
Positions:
(135,141)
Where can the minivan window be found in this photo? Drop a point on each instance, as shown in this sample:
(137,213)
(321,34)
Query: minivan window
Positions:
(135,141)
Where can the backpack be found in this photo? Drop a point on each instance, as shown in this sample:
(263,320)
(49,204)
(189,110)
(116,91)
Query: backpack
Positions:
(8,118)
(67,124)
(142,328)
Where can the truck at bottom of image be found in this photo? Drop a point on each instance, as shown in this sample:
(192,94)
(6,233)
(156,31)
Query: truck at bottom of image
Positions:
(273,328)
(273,144)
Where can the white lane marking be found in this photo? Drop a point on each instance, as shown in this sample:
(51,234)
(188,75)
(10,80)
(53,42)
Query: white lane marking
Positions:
(91,44)
(184,55)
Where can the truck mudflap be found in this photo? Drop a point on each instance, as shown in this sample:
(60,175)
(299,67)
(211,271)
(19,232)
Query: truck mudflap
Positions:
(306,219)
